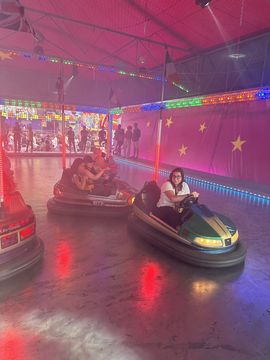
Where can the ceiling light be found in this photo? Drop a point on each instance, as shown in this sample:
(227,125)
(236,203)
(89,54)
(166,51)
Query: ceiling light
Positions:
(237,56)
(203,3)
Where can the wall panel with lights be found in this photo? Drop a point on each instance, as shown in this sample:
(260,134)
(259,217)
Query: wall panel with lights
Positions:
(223,134)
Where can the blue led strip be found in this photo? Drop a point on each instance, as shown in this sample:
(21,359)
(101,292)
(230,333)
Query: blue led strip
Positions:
(209,185)
(263,94)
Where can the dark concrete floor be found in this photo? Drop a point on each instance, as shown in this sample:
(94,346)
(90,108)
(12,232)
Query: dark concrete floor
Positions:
(102,293)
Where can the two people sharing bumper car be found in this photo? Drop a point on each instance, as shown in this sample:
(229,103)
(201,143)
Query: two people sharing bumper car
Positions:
(174,193)
(86,177)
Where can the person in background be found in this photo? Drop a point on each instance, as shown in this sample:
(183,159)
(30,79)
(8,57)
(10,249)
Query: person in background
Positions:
(173,191)
(127,141)
(17,133)
(136,134)
(84,136)
(119,138)
(71,139)
(29,139)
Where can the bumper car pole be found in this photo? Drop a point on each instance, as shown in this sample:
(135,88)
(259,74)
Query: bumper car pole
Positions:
(63,137)
(159,129)
(61,100)
(2,194)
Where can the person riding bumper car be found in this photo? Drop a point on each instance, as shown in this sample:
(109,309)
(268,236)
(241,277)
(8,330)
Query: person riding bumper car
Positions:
(113,198)
(204,238)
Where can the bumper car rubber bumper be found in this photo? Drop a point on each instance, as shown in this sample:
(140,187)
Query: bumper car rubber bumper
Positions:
(17,260)
(184,252)
(84,209)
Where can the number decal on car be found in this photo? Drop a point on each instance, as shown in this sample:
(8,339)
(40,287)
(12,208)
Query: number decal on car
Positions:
(98,203)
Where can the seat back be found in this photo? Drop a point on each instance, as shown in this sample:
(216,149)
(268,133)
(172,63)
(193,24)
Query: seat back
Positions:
(66,178)
(148,196)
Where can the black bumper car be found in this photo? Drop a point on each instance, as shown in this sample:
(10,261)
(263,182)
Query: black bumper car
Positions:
(113,198)
(20,248)
(205,238)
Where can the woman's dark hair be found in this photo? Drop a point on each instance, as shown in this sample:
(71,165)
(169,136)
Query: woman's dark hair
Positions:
(181,171)
(76,163)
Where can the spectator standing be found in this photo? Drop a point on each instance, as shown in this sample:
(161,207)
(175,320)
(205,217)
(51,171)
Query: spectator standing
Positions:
(119,138)
(136,134)
(127,141)
(30,137)
(71,139)
(84,136)
(17,133)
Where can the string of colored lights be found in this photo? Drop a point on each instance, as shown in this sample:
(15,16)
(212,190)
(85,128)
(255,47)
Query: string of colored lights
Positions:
(51,106)
(229,191)
(224,98)
(94,67)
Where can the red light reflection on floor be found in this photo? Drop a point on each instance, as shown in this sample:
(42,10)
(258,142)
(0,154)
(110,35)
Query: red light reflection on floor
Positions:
(63,260)
(150,285)
(12,345)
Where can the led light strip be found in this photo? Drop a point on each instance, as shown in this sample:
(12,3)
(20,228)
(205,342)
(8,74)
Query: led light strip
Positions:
(51,106)
(210,185)
(95,67)
(224,98)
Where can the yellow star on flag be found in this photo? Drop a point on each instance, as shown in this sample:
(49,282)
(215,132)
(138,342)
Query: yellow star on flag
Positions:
(169,122)
(202,127)
(148,124)
(5,56)
(182,150)
(237,144)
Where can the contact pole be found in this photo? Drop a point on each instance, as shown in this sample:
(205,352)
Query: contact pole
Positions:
(159,128)
(61,98)
(63,137)
(2,195)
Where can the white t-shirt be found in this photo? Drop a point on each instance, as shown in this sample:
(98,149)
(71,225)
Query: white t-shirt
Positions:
(164,200)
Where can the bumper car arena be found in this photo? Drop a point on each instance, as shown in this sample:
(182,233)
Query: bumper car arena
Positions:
(134,180)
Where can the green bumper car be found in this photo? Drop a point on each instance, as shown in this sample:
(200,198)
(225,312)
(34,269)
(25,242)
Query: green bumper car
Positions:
(205,238)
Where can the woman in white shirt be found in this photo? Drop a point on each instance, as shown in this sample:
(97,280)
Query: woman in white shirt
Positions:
(173,191)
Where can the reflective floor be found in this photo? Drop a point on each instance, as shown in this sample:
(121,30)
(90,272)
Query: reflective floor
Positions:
(102,293)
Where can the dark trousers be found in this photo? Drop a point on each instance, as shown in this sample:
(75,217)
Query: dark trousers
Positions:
(169,215)
(71,143)
(29,142)
(118,148)
(83,145)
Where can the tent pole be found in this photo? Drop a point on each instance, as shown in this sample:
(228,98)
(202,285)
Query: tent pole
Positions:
(159,128)
(61,99)
(2,197)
